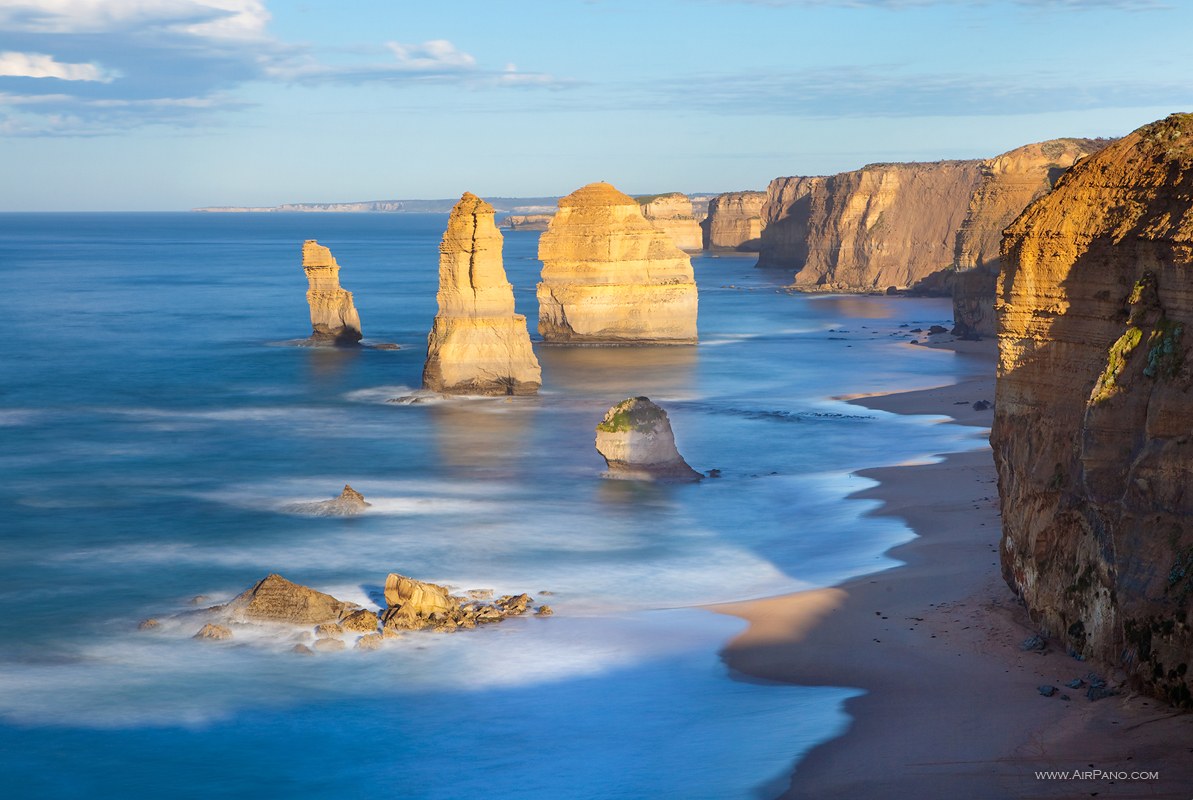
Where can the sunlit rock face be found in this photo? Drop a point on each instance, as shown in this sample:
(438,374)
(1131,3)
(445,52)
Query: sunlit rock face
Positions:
(333,316)
(672,213)
(1008,184)
(1093,430)
(610,277)
(734,221)
(636,441)
(477,345)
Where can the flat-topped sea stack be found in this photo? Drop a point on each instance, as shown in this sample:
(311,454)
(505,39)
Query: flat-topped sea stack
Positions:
(1009,183)
(672,213)
(477,345)
(636,441)
(610,277)
(1093,426)
(734,221)
(333,316)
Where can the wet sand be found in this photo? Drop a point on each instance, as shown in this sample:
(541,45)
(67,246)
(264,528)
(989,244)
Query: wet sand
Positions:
(952,707)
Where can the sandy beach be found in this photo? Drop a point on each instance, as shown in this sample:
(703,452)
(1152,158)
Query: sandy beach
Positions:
(952,706)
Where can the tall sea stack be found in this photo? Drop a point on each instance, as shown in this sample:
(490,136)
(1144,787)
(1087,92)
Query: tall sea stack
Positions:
(477,345)
(610,277)
(1093,427)
(333,316)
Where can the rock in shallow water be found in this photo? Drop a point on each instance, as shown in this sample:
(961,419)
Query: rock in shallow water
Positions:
(636,441)
(349,503)
(275,599)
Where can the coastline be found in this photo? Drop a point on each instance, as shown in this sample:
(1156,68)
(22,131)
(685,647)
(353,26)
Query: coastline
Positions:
(952,707)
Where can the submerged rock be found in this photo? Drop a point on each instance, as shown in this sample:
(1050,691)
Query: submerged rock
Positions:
(213,631)
(333,316)
(636,441)
(275,599)
(348,504)
(610,277)
(477,345)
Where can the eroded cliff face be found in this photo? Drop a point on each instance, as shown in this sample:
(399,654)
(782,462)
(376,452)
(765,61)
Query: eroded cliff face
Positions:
(609,276)
(478,345)
(672,213)
(1093,430)
(1008,184)
(333,316)
(734,221)
(786,217)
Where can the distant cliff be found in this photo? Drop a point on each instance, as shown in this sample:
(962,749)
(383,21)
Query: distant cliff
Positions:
(734,221)
(527,222)
(672,213)
(525,205)
(1093,430)
(1008,184)
(885,225)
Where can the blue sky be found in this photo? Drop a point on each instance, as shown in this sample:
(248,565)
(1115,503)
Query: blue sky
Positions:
(172,104)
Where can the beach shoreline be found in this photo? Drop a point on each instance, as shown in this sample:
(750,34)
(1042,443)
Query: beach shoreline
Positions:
(952,706)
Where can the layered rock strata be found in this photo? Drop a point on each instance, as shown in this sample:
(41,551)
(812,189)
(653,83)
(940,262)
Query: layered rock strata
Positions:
(636,441)
(275,599)
(1093,428)
(734,221)
(333,316)
(610,277)
(477,344)
(672,213)
(1008,184)
(527,222)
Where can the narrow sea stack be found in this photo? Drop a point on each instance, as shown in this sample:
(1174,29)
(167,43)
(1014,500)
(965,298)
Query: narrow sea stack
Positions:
(333,316)
(477,344)
(636,441)
(610,277)
(734,221)
(1008,184)
(672,213)
(1093,427)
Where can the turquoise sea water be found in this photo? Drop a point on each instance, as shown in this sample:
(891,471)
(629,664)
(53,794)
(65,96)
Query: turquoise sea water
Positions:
(154,423)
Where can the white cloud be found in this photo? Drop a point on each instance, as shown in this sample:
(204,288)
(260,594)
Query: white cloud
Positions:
(229,19)
(435,55)
(40,65)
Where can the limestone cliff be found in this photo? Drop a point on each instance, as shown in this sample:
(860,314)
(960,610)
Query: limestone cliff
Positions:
(610,277)
(333,316)
(636,441)
(1093,431)
(527,222)
(1008,184)
(734,221)
(672,214)
(477,345)
(786,218)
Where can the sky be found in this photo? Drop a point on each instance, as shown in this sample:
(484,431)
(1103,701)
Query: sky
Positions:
(147,105)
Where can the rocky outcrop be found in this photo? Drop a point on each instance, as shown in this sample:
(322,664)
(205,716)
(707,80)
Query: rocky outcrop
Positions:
(416,605)
(610,277)
(672,214)
(636,441)
(527,222)
(734,221)
(1093,428)
(349,503)
(333,316)
(477,345)
(275,599)
(1008,184)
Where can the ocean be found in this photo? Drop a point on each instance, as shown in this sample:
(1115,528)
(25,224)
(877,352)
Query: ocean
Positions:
(156,419)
